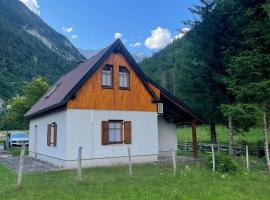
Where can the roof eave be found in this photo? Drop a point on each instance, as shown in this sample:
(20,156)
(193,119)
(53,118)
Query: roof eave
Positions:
(197,117)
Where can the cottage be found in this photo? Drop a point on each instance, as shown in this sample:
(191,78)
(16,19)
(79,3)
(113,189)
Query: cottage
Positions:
(104,105)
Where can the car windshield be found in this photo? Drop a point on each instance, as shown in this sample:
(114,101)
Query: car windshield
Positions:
(19,135)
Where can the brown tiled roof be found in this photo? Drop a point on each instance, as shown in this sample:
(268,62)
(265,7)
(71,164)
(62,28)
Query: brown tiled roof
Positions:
(67,86)
(55,96)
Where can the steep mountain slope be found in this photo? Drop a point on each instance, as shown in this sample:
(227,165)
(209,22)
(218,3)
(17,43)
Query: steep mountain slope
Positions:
(29,47)
(88,53)
(164,65)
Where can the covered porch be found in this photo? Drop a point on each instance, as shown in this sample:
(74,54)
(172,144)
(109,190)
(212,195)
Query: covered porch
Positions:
(175,113)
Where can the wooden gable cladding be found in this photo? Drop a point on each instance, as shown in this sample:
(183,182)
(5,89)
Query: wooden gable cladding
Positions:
(155,90)
(92,96)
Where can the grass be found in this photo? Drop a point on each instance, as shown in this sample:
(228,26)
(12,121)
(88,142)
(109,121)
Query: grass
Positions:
(148,182)
(252,137)
(15,152)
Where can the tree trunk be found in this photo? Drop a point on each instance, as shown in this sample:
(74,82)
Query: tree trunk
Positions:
(173,83)
(213,133)
(266,148)
(231,140)
(163,78)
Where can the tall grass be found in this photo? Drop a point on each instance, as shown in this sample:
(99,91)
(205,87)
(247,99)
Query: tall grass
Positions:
(148,182)
(253,136)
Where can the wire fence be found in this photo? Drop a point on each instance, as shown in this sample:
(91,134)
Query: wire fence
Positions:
(175,162)
(249,158)
(237,149)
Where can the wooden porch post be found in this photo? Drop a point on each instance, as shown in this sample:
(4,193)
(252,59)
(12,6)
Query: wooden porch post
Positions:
(194,141)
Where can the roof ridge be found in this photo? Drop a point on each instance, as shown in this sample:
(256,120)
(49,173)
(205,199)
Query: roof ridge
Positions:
(75,78)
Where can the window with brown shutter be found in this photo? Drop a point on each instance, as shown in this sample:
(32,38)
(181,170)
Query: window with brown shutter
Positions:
(105,132)
(52,134)
(49,134)
(55,134)
(116,132)
(127,132)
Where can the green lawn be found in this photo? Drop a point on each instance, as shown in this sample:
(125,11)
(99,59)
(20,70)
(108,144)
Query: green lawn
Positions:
(203,135)
(15,152)
(148,182)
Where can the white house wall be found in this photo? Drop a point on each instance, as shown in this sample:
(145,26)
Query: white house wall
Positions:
(167,135)
(84,129)
(44,152)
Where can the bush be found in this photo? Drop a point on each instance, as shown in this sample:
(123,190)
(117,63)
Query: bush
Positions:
(224,163)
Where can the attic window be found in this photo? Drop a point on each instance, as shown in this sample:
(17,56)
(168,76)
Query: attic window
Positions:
(107,76)
(52,90)
(123,78)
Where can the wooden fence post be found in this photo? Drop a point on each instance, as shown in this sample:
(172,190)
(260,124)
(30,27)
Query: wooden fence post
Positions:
(79,170)
(129,162)
(194,141)
(186,143)
(213,158)
(174,162)
(20,166)
(247,159)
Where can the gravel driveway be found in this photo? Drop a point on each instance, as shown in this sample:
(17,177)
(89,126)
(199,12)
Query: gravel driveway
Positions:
(31,165)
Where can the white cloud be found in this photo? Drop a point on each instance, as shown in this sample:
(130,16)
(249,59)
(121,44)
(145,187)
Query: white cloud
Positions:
(136,44)
(74,36)
(159,38)
(67,29)
(117,35)
(32,5)
(181,33)
(186,29)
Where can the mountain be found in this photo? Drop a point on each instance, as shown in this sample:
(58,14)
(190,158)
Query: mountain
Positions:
(163,65)
(88,53)
(29,48)
(138,56)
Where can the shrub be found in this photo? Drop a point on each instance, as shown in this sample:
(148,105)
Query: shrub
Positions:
(224,163)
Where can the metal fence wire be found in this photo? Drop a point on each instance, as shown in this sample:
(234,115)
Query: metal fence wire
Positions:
(249,158)
(237,149)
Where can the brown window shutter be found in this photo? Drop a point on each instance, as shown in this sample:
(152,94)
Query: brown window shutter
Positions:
(55,134)
(127,132)
(105,132)
(49,135)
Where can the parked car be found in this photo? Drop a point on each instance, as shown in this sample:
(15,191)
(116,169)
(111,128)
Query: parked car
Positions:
(16,139)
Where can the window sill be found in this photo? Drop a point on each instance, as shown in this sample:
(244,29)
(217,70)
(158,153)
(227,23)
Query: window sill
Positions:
(116,144)
(107,87)
(124,88)
(51,145)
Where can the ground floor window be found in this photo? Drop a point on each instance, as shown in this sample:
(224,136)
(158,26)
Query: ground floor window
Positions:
(52,134)
(116,132)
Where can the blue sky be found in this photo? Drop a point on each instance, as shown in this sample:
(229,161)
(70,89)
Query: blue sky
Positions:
(93,24)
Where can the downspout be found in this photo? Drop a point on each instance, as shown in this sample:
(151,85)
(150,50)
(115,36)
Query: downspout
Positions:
(92,125)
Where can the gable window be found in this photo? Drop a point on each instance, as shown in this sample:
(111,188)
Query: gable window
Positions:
(116,132)
(123,78)
(107,76)
(52,134)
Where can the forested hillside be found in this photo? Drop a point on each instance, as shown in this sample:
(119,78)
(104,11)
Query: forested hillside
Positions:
(229,42)
(29,47)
